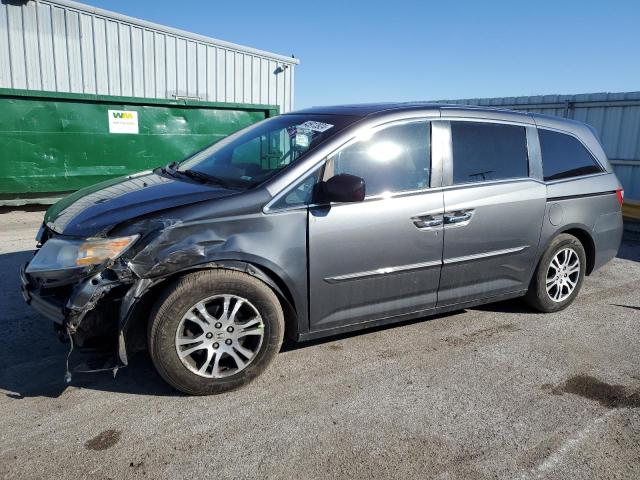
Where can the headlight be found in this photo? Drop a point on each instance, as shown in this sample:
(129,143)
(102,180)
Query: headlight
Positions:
(60,254)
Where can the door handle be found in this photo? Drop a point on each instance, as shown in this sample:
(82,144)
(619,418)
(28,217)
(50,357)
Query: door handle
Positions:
(457,217)
(427,221)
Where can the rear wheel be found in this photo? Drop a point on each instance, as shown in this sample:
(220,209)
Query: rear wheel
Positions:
(214,331)
(559,275)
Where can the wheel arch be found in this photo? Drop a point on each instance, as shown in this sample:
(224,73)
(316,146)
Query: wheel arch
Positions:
(136,307)
(581,232)
(587,243)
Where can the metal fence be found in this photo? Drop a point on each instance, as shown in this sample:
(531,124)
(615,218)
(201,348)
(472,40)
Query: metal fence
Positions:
(615,116)
(64,46)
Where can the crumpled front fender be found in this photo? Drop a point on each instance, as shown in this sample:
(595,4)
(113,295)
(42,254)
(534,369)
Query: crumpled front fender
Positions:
(142,287)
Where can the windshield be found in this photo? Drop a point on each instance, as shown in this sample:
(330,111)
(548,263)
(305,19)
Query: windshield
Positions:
(255,154)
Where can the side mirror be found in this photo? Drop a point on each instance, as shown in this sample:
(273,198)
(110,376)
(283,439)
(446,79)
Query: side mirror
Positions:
(340,188)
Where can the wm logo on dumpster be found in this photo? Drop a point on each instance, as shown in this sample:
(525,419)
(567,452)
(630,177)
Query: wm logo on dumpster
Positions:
(125,115)
(123,121)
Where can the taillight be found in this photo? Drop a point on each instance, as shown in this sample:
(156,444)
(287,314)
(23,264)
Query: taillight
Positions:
(620,195)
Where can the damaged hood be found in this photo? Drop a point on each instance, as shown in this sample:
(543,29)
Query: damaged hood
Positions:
(94,210)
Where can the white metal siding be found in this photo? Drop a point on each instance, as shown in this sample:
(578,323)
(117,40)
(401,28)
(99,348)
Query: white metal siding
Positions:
(64,46)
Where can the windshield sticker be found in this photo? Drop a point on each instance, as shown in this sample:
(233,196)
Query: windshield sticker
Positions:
(316,126)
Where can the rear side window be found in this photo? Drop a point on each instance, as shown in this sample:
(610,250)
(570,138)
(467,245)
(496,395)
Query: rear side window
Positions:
(563,156)
(488,151)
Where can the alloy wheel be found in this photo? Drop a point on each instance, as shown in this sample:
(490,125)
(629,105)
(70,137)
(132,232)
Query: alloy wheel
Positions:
(219,336)
(563,274)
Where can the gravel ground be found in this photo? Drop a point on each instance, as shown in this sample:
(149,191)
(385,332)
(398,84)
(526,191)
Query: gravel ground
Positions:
(491,392)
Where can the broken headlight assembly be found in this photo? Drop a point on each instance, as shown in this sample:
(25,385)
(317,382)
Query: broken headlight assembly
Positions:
(69,254)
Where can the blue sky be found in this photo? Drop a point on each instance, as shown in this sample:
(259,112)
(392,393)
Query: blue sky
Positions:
(362,51)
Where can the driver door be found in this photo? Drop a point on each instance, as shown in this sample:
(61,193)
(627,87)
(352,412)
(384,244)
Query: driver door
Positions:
(380,257)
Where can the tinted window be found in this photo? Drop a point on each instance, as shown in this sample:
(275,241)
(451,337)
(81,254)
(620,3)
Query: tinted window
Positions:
(488,151)
(394,159)
(563,156)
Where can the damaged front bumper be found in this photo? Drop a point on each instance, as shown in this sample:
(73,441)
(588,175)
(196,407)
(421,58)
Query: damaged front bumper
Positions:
(88,313)
(49,306)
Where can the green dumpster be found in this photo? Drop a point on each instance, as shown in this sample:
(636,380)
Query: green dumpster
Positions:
(52,144)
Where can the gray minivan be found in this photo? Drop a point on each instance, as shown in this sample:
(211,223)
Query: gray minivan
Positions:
(324,221)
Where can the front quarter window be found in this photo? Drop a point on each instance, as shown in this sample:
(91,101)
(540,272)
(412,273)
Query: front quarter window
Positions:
(301,194)
(255,154)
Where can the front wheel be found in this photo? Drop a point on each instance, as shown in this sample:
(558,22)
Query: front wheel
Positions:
(559,275)
(214,331)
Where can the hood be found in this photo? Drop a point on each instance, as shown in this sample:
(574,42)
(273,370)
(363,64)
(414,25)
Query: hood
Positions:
(93,210)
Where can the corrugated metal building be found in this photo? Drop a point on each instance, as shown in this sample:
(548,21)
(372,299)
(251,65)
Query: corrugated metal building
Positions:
(64,46)
(616,117)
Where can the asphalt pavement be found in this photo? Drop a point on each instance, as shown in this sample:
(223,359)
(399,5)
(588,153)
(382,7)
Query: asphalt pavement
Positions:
(496,391)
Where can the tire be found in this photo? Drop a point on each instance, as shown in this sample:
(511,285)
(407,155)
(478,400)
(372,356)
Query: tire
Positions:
(220,291)
(537,296)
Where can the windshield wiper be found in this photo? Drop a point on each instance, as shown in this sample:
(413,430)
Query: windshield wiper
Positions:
(170,169)
(204,177)
(172,166)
